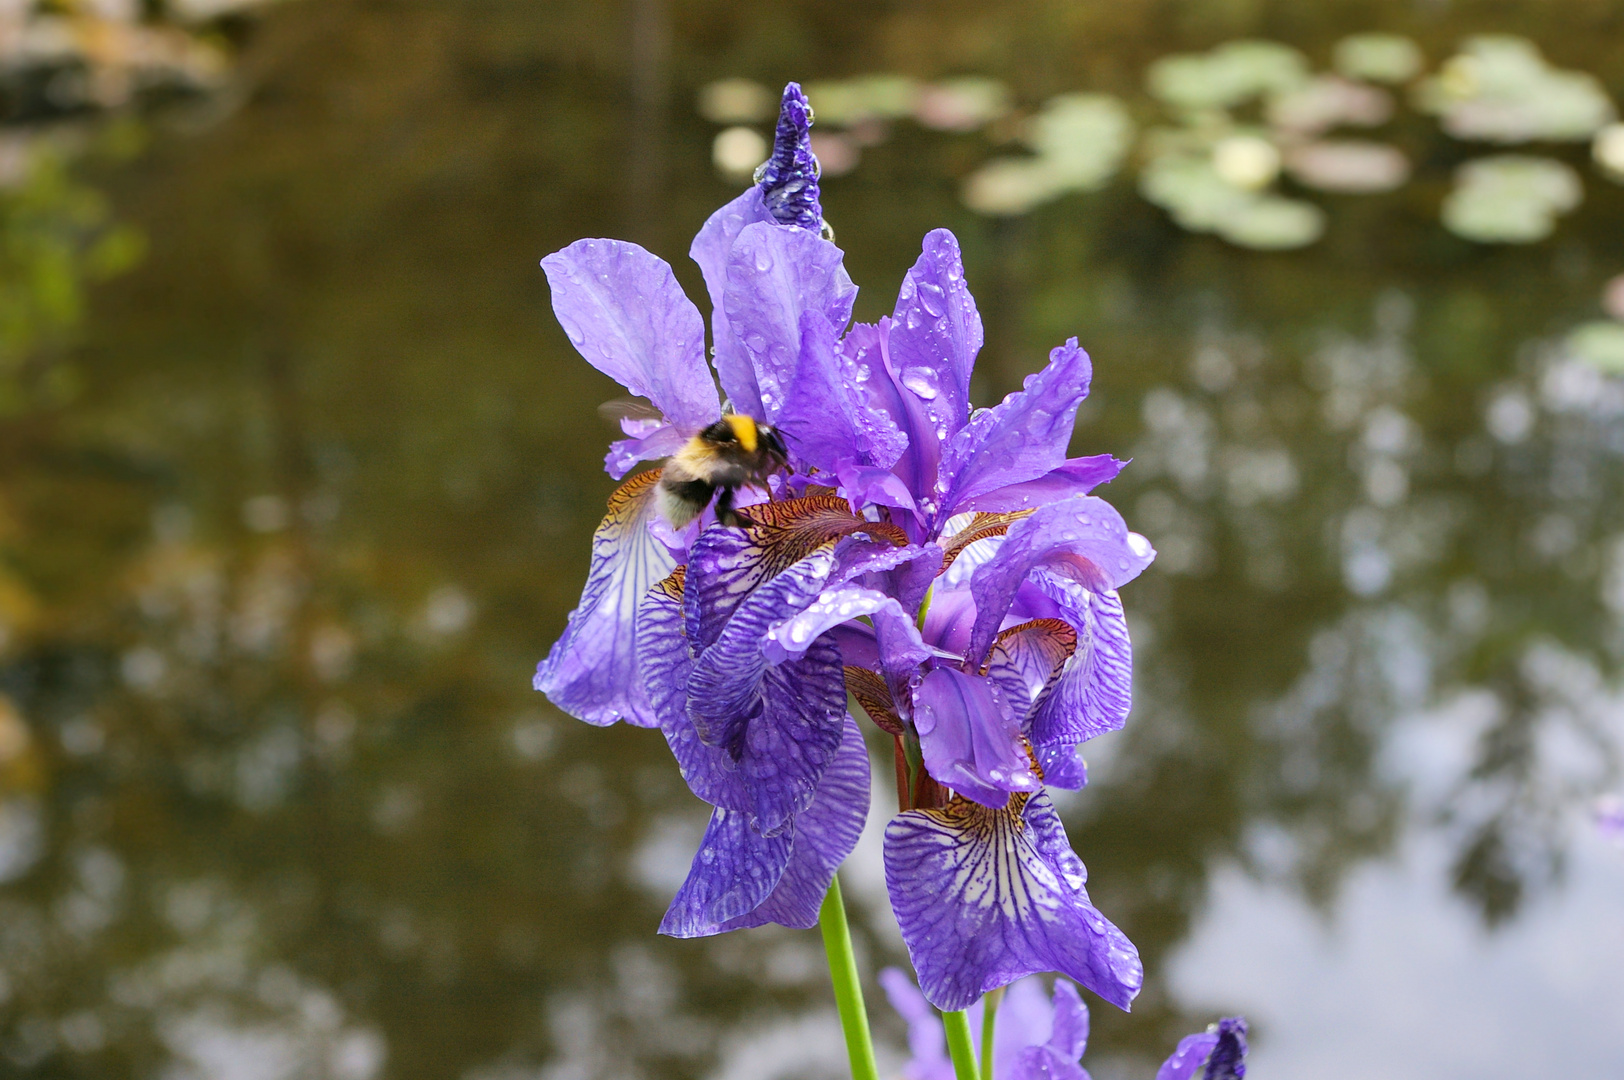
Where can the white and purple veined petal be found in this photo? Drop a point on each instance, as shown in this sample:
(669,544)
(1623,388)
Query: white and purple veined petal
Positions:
(970,738)
(1083,540)
(625,313)
(1022,438)
(593,670)
(1094,690)
(984,897)
(775,274)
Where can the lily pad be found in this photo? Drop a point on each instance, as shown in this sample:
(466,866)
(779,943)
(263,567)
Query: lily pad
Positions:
(1326,102)
(1227,76)
(1385,58)
(1273,223)
(1349,166)
(1011,186)
(1082,137)
(870,97)
(1191,190)
(737,101)
(1599,344)
(1510,198)
(962,104)
(1500,89)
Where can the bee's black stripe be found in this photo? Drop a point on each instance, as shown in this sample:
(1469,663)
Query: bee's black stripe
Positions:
(698,492)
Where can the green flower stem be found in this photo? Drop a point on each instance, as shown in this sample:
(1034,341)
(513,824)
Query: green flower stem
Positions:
(848,988)
(989,1011)
(959,1046)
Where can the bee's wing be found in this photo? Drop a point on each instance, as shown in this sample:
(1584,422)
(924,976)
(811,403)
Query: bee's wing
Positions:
(629,409)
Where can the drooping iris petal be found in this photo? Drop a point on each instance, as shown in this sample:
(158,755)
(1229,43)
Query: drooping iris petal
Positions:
(592,672)
(780,722)
(774,275)
(1094,690)
(1186,1060)
(927,1040)
(733,872)
(935,334)
(823,419)
(1078,476)
(970,740)
(825,833)
(981,902)
(663,441)
(710,250)
(1022,438)
(625,313)
(1082,540)
(662,646)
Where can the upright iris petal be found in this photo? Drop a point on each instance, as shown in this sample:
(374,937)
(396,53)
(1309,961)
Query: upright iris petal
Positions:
(789,179)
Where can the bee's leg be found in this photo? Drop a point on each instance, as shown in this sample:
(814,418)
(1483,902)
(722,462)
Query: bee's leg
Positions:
(724,508)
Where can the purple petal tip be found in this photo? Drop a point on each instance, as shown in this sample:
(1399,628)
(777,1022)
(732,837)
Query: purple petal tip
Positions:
(789,179)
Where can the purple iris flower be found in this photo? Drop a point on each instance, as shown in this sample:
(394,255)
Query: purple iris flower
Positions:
(1039,1038)
(946,568)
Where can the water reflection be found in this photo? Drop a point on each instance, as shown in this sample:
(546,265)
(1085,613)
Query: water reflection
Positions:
(275,795)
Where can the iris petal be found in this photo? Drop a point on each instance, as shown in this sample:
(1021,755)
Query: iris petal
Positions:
(625,313)
(775,274)
(825,833)
(780,723)
(1078,476)
(1023,437)
(710,250)
(1083,540)
(1192,1052)
(981,903)
(970,740)
(592,672)
(734,870)
(1094,690)
(934,338)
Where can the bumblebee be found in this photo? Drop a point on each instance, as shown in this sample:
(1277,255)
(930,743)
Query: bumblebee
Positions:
(732,452)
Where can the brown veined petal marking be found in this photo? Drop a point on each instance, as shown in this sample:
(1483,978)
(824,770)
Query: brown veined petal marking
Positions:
(1026,660)
(787,532)
(869,688)
(981,526)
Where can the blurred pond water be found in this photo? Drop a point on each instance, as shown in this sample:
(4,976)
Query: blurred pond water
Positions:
(277,801)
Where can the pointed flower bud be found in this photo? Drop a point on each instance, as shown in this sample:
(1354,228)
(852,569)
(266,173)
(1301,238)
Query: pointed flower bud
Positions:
(789,179)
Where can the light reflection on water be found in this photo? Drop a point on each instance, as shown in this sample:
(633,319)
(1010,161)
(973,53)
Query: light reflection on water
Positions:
(277,800)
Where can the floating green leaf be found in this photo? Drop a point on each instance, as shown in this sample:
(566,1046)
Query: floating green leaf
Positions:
(1510,198)
(1386,58)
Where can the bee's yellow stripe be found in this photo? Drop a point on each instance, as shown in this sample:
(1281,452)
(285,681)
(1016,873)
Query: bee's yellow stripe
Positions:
(744,429)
